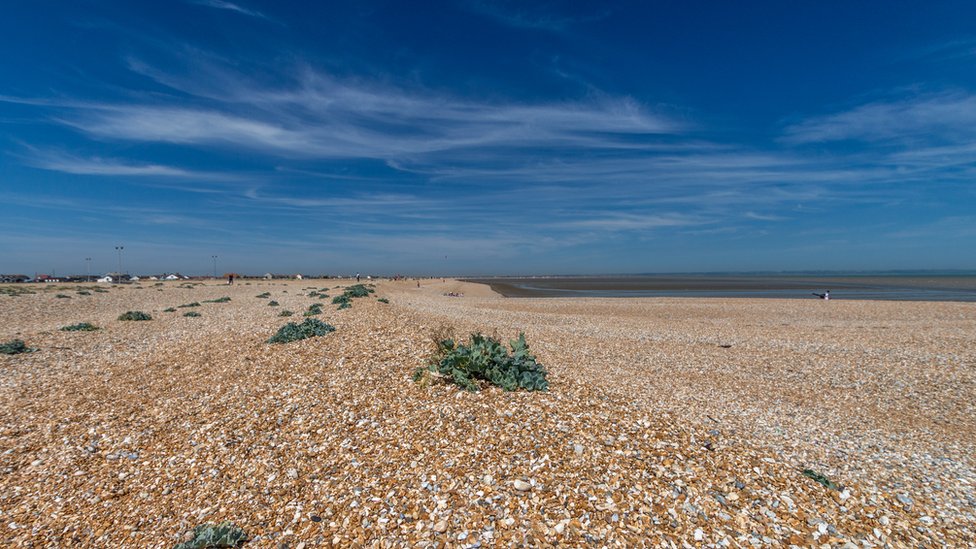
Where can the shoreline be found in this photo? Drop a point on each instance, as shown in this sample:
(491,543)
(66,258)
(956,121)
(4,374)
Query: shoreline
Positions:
(953,289)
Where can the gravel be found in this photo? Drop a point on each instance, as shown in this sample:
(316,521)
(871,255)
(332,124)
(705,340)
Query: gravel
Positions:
(651,432)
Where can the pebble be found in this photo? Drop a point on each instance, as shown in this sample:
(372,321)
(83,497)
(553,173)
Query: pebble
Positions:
(440,527)
(521,485)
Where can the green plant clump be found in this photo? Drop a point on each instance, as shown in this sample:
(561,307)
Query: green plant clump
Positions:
(358,290)
(194,304)
(224,299)
(83,292)
(345,305)
(486,359)
(134,315)
(273,303)
(265,295)
(383,300)
(209,536)
(169,310)
(310,327)
(80,327)
(340,300)
(314,309)
(14,347)
(191,314)
(286,312)
(62,296)
(822,479)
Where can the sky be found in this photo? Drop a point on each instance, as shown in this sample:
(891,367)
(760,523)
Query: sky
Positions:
(471,137)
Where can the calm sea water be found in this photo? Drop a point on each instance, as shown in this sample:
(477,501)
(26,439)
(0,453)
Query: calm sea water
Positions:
(876,287)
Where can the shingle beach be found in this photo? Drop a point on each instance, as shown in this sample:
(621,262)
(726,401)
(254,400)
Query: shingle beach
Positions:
(669,422)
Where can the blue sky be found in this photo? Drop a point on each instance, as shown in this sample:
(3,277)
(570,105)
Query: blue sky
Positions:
(475,137)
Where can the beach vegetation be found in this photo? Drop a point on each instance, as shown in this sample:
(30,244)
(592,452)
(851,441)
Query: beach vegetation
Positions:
(383,300)
(286,312)
(194,304)
(83,292)
(484,359)
(134,315)
(310,327)
(273,303)
(63,296)
(821,478)
(169,310)
(15,347)
(80,327)
(314,309)
(192,314)
(209,536)
(224,299)
(265,295)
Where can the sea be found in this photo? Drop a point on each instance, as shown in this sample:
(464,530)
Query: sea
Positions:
(885,287)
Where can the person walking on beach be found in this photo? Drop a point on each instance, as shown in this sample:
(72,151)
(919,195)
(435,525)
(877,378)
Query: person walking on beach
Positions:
(230,279)
(357,277)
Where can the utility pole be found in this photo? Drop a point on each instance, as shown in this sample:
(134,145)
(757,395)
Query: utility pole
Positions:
(88,263)
(119,249)
(215,266)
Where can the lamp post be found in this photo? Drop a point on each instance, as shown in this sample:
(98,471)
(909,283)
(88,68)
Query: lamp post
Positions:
(88,264)
(215,266)
(119,249)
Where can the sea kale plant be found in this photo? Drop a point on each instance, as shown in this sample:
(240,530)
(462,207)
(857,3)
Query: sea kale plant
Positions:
(14,347)
(485,359)
(310,327)
(134,315)
(209,536)
(80,327)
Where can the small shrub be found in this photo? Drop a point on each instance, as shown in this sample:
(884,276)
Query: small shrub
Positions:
(310,327)
(62,296)
(209,536)
(80,327)
(194,304)
(314,309)
(192,314)
(265,295)
(340,300)
(14,347)
(224,299)
(272,304)
(100,291)
(486,359)
(83,292)
(285,313)
(169,310)
(383,300)
(345,305)
(134,315)
(158,284)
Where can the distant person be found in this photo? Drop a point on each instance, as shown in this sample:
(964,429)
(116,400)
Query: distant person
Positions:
(230,279)
(824,296)
(357,277)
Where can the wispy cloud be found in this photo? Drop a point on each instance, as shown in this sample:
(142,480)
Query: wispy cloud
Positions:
(945,116)
(532,16)
(323,117)
(109,167)
(229,6)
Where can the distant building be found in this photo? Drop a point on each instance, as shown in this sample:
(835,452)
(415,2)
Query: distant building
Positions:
(107,279)
(13,278)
